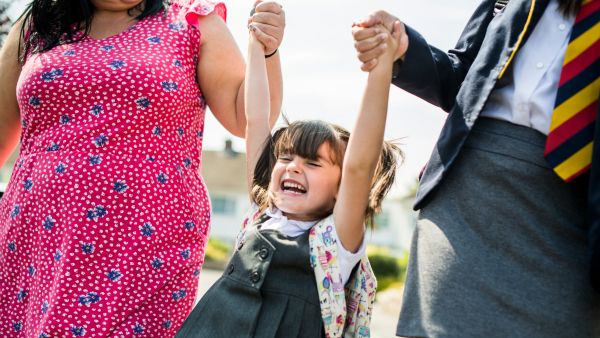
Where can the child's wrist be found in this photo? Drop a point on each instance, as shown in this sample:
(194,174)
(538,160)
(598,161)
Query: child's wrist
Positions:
(271,54)
(384,66)
(385,61)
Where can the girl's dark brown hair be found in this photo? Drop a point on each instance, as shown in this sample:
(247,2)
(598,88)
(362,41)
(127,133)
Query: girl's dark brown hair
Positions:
(303,138)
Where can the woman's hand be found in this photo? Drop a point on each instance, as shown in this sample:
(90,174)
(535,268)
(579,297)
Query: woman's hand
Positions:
(269,20)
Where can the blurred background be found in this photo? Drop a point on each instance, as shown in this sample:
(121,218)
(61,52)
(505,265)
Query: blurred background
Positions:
(322,80)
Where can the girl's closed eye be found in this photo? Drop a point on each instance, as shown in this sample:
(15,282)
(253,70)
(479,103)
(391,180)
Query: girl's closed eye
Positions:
(284,158)
(314,164)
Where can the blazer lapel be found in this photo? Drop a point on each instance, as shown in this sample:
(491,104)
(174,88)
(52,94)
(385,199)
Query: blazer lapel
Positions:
(530,12)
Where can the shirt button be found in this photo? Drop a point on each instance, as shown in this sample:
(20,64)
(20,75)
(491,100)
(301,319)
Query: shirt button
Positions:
(523,107)
(539,65)
(562,27)
(263,253)
(254,277)
(240,245)
(230,269)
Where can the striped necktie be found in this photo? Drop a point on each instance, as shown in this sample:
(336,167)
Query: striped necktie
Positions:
(570,140)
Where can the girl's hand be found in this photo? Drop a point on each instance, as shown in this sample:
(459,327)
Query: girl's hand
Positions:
(390,42)
(269,19)
(254,42)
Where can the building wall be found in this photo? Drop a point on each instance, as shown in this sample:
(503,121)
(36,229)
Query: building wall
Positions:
(394,226)
(228,211)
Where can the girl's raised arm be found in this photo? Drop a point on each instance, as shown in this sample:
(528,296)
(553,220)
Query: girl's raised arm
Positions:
(256,92)
(223,87)
(364,149)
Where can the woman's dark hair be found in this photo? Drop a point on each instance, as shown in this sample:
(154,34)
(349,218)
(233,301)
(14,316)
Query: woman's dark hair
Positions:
(49,23)
(303,138)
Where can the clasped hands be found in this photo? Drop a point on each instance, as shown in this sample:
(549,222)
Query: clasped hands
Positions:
(370,38)
(267,22)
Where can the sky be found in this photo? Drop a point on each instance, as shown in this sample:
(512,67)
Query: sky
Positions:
(322,76)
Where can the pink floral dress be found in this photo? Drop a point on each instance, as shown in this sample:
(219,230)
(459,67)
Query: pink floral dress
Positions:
(105,219)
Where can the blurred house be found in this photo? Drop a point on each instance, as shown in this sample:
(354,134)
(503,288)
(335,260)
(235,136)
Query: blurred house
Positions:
(395,224)
(224,173)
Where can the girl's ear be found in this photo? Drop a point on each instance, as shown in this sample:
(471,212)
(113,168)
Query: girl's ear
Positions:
(335,197)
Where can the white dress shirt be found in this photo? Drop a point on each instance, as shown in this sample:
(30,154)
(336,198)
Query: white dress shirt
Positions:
(526,94)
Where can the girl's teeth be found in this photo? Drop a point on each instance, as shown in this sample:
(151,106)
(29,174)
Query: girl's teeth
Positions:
(289,185)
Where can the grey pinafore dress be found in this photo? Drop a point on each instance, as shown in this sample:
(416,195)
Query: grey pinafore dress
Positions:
(267,290)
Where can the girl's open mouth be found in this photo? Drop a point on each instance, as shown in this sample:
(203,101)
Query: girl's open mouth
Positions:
(293,187)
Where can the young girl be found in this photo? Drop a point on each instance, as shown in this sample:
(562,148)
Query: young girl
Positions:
(300,269)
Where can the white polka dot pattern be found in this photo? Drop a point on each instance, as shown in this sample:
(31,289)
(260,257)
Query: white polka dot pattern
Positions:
(105,219)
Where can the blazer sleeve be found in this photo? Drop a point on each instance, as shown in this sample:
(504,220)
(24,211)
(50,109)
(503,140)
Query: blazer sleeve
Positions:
(594,208)
(434,75)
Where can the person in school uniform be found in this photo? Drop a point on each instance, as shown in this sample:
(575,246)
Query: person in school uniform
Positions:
(508,237)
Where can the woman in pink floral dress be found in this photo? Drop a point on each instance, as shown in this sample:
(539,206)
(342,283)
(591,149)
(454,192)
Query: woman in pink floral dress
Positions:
(105,219)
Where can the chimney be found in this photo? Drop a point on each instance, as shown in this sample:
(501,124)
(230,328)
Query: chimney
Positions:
(229,151)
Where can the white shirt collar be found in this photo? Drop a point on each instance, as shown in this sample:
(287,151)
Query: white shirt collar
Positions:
(290,227)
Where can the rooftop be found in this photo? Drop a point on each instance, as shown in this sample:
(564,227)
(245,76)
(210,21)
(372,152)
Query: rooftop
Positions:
(224,170)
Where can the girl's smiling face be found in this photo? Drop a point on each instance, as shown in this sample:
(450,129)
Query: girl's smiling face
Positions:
(305,189)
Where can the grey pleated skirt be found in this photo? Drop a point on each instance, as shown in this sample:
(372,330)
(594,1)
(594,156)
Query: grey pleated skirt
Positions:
(268,290)
(500,248)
